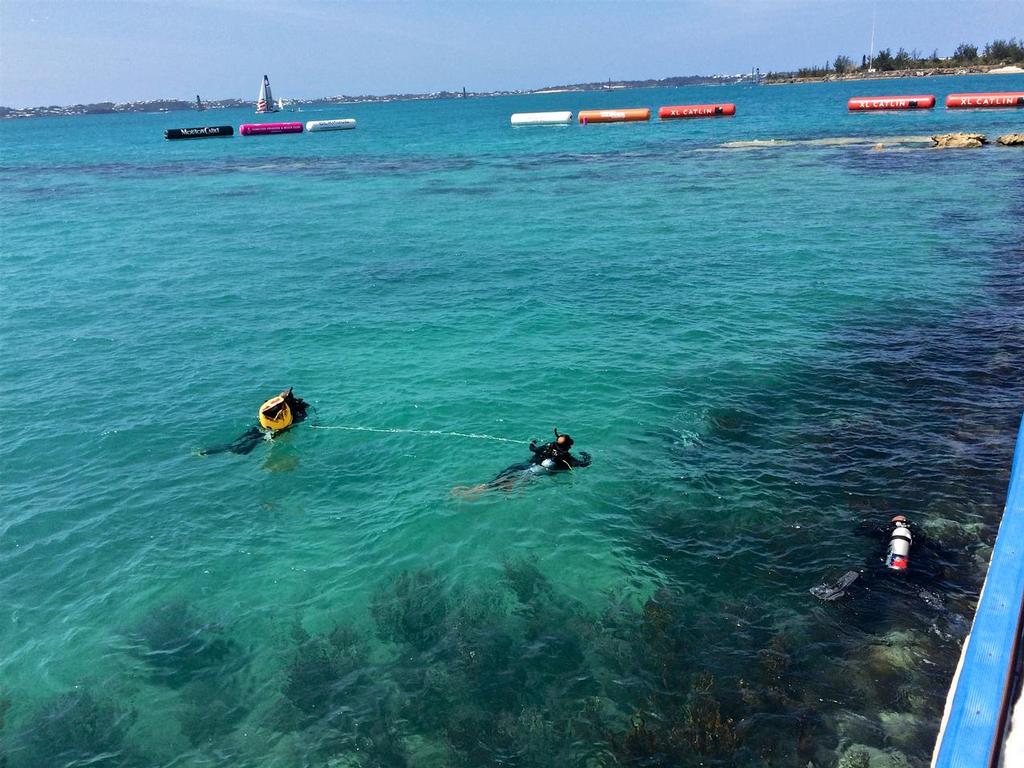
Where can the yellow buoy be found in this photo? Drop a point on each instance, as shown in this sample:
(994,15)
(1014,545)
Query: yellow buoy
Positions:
(275,414)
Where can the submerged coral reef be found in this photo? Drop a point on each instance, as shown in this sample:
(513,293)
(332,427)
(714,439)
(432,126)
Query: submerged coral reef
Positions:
(76,728)
(516,673)
(178,646)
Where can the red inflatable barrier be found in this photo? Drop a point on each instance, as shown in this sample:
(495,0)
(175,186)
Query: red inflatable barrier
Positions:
(984,100)
(697,110)
(866,103)
(265,129)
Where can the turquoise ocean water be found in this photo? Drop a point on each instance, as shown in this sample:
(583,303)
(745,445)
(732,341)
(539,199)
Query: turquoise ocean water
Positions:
(768,351)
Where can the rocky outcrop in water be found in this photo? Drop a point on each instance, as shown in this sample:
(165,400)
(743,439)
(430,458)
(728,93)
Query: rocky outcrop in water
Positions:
(959,140)
(1011,140)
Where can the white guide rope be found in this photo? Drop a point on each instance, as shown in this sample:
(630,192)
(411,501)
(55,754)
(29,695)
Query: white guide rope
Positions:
(470,435)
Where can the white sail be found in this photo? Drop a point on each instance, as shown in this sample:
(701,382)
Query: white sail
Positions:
(265,103)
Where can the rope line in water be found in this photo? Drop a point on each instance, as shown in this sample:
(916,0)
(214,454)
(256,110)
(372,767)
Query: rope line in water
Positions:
(470,435)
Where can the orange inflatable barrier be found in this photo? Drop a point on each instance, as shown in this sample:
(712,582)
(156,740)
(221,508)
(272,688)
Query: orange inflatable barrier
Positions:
(697,110)
(613,115)
(868,103)
(984,100)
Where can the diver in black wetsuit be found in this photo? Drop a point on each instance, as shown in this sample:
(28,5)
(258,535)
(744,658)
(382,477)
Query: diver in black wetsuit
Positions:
(928,557)
(248,440)
(548,458)
(924,591)
(555,456)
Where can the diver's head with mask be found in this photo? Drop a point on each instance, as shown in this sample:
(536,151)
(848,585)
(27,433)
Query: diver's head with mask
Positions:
(563,442)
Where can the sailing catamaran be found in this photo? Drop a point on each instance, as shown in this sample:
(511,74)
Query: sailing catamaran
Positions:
(199,104)
(265,103)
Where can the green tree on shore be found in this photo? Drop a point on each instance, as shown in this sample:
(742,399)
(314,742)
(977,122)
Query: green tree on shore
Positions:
(843,64)
(1004,51)
(966,52)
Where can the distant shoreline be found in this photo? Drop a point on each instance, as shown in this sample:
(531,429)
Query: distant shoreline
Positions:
(897,74)
(178,105)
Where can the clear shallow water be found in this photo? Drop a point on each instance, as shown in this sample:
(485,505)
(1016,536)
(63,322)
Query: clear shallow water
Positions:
(768,353)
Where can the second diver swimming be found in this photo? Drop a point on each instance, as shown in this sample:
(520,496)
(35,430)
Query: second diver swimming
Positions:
(548,458)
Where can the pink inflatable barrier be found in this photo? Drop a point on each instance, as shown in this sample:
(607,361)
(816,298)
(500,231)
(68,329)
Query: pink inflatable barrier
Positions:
(265,129)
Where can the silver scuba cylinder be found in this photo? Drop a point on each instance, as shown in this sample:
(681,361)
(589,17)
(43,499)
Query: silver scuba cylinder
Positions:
(900,540)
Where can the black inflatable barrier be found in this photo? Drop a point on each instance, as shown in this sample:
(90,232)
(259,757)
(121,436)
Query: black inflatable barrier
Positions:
(204,132)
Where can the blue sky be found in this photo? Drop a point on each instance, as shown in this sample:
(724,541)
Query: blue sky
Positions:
(64,52)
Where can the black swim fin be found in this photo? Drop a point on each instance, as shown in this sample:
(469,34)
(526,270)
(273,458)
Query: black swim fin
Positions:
(836,589)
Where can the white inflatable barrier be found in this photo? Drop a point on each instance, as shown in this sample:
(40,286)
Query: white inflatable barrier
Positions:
(346,124)
(542,118)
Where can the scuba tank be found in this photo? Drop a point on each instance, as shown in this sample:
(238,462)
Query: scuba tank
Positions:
(900,539)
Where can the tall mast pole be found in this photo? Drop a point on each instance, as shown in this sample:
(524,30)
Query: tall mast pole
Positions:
(871,54)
